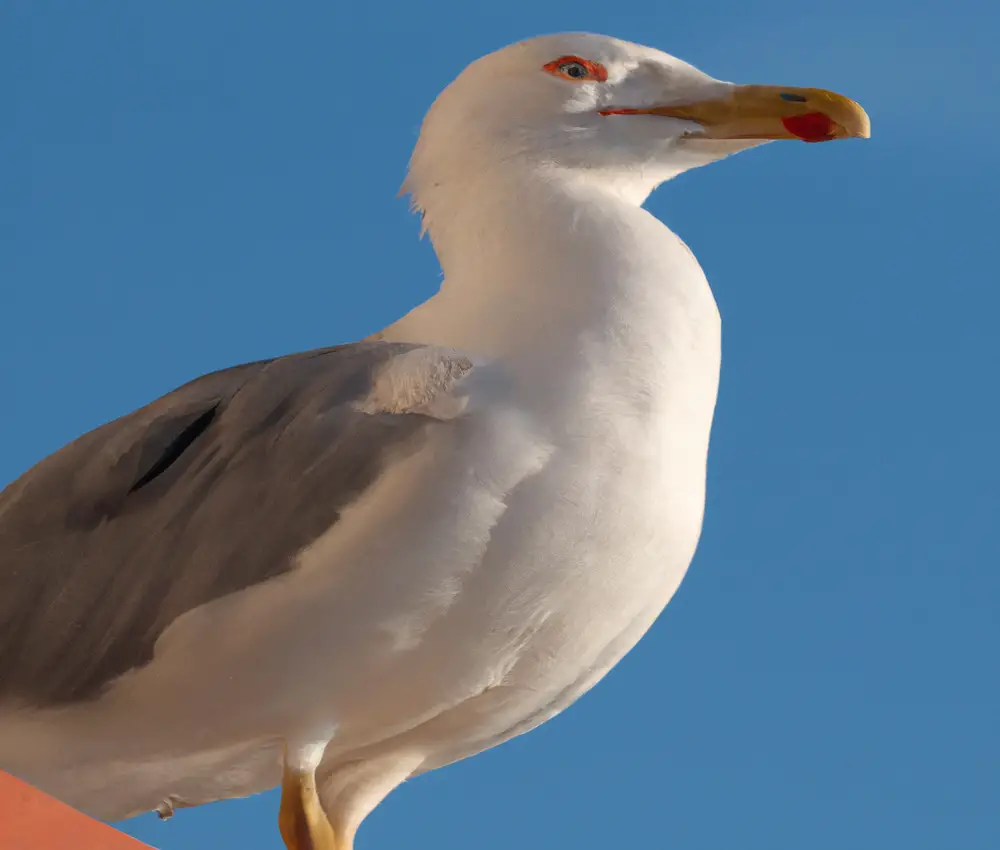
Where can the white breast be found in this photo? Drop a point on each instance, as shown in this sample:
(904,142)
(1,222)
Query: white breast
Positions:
(591,546)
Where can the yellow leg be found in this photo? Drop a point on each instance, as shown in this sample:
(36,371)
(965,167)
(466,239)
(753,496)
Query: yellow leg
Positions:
(301,818)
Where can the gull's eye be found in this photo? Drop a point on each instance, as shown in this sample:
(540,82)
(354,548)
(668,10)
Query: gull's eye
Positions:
(577,69)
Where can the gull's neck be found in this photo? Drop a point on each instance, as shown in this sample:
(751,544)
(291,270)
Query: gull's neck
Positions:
(554,273)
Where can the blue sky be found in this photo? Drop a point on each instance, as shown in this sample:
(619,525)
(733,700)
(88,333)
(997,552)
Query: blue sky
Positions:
(185,186)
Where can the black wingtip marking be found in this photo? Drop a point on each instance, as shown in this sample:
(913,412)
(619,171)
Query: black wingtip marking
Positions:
(176,448)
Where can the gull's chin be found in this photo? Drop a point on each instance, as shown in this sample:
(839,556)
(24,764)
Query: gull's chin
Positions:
(699,150)
(698,142)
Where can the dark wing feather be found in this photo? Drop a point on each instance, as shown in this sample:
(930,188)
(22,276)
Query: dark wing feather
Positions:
(208,490)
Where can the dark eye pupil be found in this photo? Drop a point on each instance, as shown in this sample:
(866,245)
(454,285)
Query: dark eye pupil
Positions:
(575,70)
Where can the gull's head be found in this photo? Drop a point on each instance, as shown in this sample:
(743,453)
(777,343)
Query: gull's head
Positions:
(610,110)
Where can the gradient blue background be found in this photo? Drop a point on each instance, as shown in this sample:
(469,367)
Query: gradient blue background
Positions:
(188,185)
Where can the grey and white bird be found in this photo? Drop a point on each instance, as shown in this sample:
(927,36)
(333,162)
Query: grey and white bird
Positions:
(342,568)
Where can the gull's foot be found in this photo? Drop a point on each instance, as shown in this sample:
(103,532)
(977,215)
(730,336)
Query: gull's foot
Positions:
(301,819)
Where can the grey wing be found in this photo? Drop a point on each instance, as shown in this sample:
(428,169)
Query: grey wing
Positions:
(104,543)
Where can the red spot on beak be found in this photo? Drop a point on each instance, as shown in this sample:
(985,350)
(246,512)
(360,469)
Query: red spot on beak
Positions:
(811,127)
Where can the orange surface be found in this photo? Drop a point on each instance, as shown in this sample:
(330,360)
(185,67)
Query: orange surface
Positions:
(31,820)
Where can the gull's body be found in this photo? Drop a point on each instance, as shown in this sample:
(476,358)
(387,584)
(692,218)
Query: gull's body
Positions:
(534,508)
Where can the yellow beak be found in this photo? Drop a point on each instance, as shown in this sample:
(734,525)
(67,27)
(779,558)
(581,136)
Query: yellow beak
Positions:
(770,112)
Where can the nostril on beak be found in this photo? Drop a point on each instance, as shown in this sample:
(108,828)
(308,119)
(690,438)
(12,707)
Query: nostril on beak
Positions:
(793,98)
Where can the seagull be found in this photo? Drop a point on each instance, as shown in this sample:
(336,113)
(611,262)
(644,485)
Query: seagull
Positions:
(339,569)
